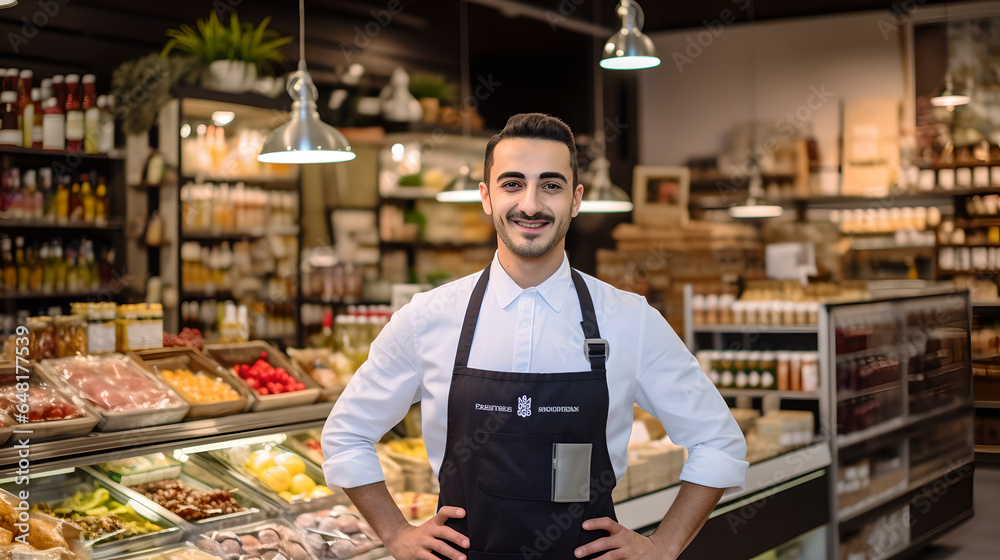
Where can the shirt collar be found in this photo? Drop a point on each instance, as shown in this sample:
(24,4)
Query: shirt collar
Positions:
(553,290)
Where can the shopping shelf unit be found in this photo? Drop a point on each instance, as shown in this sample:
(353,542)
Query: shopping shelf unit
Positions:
(117,282)
(226,204)
(894,411)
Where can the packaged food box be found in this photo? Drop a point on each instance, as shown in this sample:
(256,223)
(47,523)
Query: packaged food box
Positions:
(255,540)
(411,455)
(256,360)
(182,551)
(321,530)
(281,476)
(126,395)
(111,523)
(209,389)
(197,499)
(52,410)
(44,538)
(143,469)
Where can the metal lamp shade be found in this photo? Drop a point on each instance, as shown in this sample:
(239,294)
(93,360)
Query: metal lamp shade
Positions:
(629,49)
(305,139)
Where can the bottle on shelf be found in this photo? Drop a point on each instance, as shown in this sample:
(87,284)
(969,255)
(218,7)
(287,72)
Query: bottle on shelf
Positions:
(75,203)
(61,202)
(9,276)
(22,265)
(74,114)
(91,115)
(45,257)
(46,88)
(35,270)
(58,268)
(59,90)
(87,200)
(53,125)
(324,338)
(34,200)
(106,125)
(37,119)
(101,203)
(10,133)
(25,108)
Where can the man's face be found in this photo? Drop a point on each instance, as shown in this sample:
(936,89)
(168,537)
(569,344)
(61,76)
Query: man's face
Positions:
(530,195)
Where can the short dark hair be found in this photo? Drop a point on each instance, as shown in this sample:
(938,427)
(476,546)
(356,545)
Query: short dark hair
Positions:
(536,126)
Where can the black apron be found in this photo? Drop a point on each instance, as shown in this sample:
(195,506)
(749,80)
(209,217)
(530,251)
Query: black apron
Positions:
(500,453)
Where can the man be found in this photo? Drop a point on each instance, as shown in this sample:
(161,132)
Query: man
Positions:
(522,455)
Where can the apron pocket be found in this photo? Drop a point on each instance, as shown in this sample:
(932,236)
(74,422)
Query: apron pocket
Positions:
(517,467)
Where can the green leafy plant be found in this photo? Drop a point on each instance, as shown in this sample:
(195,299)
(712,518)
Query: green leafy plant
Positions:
(141,87)
(213,40)
(424,84)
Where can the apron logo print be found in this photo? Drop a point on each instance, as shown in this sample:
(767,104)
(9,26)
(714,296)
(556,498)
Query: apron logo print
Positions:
(524,406)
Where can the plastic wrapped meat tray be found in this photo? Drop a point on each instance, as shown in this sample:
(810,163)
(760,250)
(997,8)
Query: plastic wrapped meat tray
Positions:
(156,360)
(194,475)
(255,540)
(364,544)
(230,355)
(55,489)
(52,409)
(124,393)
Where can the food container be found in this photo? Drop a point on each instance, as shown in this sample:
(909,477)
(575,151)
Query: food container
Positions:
(53,410)
(252,466)
(41,338)
(195,476)
(142,469)
(363,544)
(157,360)
(247,541)
(182,551)
(318,364)
(6,428)
(71,335)
(307,444)
(57,490)
(230,355)
(127,395)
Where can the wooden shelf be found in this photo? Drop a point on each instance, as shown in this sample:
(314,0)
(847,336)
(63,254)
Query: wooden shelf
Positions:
(113,225)
(192,235)
(756,329)
(987,404)
(275,183)
(848,395)
(761,393)
(55,295)
(19,151)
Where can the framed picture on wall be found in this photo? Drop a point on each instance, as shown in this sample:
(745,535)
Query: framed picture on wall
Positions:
(660,194)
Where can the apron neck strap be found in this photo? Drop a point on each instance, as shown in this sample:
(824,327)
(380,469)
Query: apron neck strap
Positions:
(591,332)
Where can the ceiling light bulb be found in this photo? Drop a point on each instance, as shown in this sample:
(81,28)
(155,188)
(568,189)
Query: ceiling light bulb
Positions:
(629,48)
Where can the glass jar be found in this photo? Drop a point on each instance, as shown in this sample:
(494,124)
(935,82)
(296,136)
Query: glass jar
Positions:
(768,370)
(71,335)
(740,372)
(726,369)
(41,338)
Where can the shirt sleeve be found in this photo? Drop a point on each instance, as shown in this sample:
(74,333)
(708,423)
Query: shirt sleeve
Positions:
(376,399)
(673,388)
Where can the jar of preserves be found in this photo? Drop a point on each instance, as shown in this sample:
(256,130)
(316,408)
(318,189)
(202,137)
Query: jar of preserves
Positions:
(41,338)
(71,335)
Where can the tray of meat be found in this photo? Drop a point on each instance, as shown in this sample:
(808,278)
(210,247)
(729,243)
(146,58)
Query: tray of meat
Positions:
(187,337)
(197,497)
(182,551)
(210,389)
(324,530)
(276,382)
(52,410)
(271,539)
(126,395)
(111,524)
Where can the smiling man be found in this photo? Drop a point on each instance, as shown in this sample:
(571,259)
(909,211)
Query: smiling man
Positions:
(526,374)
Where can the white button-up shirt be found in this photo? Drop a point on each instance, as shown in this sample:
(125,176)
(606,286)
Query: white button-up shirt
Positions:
(533,330)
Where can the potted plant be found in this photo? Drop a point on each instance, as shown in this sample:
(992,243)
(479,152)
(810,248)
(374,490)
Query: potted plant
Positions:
(233,54)
(433,91)
(141,87)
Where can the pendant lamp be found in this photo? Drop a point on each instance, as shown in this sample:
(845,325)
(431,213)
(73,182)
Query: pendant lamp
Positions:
(753,208)
(464,189)
(629,48)
(602,195)
(7,4)
(949,96)
(304,138)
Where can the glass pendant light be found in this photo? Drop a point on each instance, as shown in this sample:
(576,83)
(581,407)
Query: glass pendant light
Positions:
(949,96)
(753,208)
(629,48)
(304,138)
(602,195)
(7,4)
